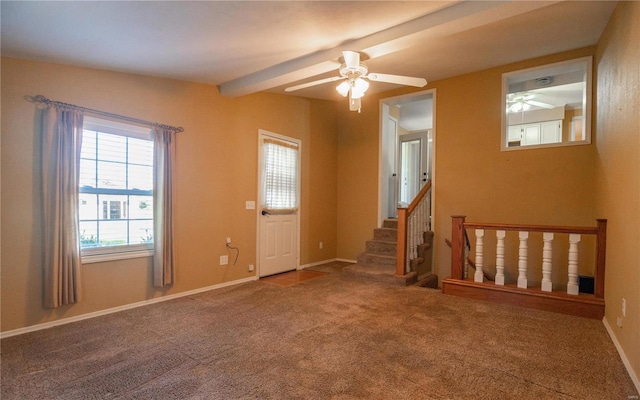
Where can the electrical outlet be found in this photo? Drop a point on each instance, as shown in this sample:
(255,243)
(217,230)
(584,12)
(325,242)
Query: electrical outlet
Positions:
(624,307)
(619,322)
(224,260)
(228,240)
(321,245)
(250,267)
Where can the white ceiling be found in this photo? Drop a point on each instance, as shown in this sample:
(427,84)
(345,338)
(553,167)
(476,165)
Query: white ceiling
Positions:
(245,47)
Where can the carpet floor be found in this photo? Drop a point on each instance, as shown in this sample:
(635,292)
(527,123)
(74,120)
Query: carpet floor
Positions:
(325,338)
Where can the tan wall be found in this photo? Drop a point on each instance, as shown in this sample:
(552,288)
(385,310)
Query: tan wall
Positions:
(216,174)
(358,142)
(617,169)
(472,176)
(321,183)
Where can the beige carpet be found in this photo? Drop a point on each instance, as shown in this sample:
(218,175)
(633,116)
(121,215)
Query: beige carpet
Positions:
(325,338)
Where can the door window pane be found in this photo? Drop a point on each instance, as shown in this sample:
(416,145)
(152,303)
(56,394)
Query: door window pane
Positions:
(280,175)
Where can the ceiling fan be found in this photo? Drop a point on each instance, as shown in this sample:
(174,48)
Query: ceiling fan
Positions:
(355,76)
(523,101)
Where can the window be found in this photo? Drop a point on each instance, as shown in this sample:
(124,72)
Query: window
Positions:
(116,191)
(547,106)
(280,183)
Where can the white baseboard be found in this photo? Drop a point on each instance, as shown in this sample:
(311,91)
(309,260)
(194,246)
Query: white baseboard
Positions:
(315,264)
(76,318)
(623,356)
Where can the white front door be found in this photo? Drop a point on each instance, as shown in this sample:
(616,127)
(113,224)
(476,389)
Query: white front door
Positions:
(278,243)
(279,194)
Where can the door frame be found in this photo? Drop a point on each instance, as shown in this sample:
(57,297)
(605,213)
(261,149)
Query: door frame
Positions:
(261,134)
(388,166)
(423,138)
(384,112)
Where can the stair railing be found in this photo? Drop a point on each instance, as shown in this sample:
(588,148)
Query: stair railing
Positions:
(468,262)
(458,255)
(413,221)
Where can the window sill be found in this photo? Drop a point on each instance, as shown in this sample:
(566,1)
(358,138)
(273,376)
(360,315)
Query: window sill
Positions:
(96,258)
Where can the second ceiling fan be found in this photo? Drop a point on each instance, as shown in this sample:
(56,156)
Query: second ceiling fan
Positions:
(355,76)
(523,101)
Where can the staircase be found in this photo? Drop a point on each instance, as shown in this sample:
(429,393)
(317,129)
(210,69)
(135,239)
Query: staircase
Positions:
(378,262)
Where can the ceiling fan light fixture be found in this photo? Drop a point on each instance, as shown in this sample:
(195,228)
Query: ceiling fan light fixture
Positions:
(360,86)
(515,107)
(343,88)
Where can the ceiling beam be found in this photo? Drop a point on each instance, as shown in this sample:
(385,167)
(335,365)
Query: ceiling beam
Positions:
(458,17)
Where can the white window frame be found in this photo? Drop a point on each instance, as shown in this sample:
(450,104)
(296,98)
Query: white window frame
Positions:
(587,64)
(111,253)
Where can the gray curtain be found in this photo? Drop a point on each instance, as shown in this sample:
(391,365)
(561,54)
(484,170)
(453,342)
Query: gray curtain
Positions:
(61,143)
(163,244)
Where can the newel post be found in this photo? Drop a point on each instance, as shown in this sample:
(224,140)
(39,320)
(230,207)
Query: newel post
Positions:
(401,250)
(601,255)
(457,246)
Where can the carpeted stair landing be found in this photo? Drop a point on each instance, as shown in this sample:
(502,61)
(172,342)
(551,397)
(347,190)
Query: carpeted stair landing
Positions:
(378,262)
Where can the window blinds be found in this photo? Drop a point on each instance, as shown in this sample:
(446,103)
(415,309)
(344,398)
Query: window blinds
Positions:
(280,183)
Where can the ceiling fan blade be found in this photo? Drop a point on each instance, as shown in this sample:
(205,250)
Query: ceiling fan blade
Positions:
(540,104)
(397,79)
(351,59)
(313,83)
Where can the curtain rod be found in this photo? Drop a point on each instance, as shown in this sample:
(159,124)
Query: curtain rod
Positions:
(41,100)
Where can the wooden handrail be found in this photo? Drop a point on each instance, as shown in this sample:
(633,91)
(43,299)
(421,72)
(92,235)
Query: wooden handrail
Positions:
(585,230)
(459,227)
(419,197)
(403,215)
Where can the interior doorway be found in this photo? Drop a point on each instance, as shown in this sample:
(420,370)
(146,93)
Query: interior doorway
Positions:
(407,138)
(413,165)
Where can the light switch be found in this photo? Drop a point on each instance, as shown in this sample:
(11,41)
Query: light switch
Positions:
(250,205)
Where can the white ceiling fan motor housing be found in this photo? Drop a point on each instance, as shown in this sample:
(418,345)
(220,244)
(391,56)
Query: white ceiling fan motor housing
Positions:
(353,73)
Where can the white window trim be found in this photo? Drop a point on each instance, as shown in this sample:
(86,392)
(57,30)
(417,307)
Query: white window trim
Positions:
(92,255)
(587,102)
(101,254)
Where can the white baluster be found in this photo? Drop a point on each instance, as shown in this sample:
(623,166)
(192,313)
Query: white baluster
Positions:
(410,237)
(418,218)
(428,205)
(572,286)
(547,257)
(522,260)
(425,212)
(500,235)
(423,216)
(414,242)
(479,276)
(420,226)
